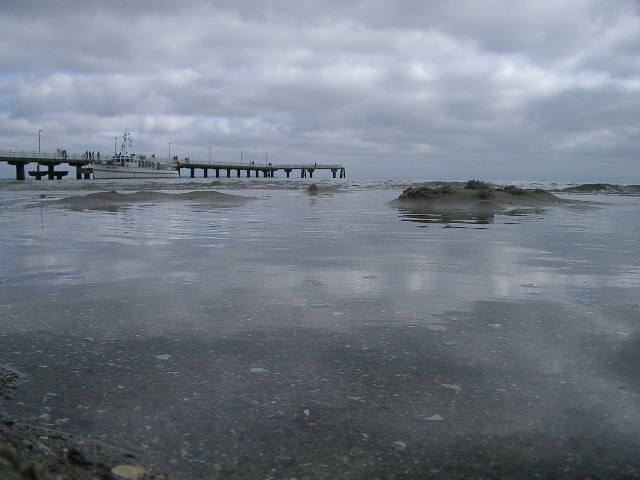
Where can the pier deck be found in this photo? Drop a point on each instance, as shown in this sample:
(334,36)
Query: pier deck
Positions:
(21,158)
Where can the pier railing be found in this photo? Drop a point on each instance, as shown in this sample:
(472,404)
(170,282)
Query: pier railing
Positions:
(63,156)
(267,169)
(254,165)
(59,156)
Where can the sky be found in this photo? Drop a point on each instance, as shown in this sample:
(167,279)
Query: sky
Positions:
(532,90)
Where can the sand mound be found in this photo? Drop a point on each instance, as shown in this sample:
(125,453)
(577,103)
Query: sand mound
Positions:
(474,201)
(113,200)
(475,195)
(314,189)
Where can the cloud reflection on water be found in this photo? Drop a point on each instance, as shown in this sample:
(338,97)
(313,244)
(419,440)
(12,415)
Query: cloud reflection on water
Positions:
(332,306)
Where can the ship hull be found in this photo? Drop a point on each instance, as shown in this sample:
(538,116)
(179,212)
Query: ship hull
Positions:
(110,172)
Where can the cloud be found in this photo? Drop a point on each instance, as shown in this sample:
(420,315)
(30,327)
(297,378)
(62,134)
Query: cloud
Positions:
(430,89)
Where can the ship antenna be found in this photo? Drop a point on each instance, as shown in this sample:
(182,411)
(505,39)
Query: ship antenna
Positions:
(126,137)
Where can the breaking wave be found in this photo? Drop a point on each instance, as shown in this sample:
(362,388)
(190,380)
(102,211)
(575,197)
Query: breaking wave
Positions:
(604,188)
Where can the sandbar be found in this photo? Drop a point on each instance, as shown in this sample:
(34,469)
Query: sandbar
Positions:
(476,197)
(113,200)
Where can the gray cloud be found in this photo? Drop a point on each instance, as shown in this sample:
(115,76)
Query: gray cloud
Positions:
(543,90)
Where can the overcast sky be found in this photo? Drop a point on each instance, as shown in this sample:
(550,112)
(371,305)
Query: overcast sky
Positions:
(453,90)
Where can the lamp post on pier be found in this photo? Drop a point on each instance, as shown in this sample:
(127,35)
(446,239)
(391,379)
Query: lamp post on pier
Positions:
(38,164)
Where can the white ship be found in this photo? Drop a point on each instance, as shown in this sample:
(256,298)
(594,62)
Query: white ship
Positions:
(126,165)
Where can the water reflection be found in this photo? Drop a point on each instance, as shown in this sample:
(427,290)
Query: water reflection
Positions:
(462,218)
(425,217)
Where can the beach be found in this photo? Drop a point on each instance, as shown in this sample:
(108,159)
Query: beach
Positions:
(266,329)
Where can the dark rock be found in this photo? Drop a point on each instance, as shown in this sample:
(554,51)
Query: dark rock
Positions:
(477,185)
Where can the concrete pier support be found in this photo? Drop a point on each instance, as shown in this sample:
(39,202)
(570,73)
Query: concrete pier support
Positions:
(50,173)
(38,174)
(19,169)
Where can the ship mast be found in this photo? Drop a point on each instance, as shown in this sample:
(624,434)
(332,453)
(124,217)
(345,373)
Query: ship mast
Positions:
(126,137)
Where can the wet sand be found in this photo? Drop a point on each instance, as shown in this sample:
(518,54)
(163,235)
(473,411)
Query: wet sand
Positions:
(375,402)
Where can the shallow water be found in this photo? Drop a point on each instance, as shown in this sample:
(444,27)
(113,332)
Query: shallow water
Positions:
(325,336)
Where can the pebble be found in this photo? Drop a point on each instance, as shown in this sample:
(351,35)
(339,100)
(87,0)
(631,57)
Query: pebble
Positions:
(451,386)
(131,472)
(400,445)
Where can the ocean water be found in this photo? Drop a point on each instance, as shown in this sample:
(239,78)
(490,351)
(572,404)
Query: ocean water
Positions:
(326,335)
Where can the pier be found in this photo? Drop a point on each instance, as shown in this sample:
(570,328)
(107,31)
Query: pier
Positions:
(20,159)
(50,161)
(251,168)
